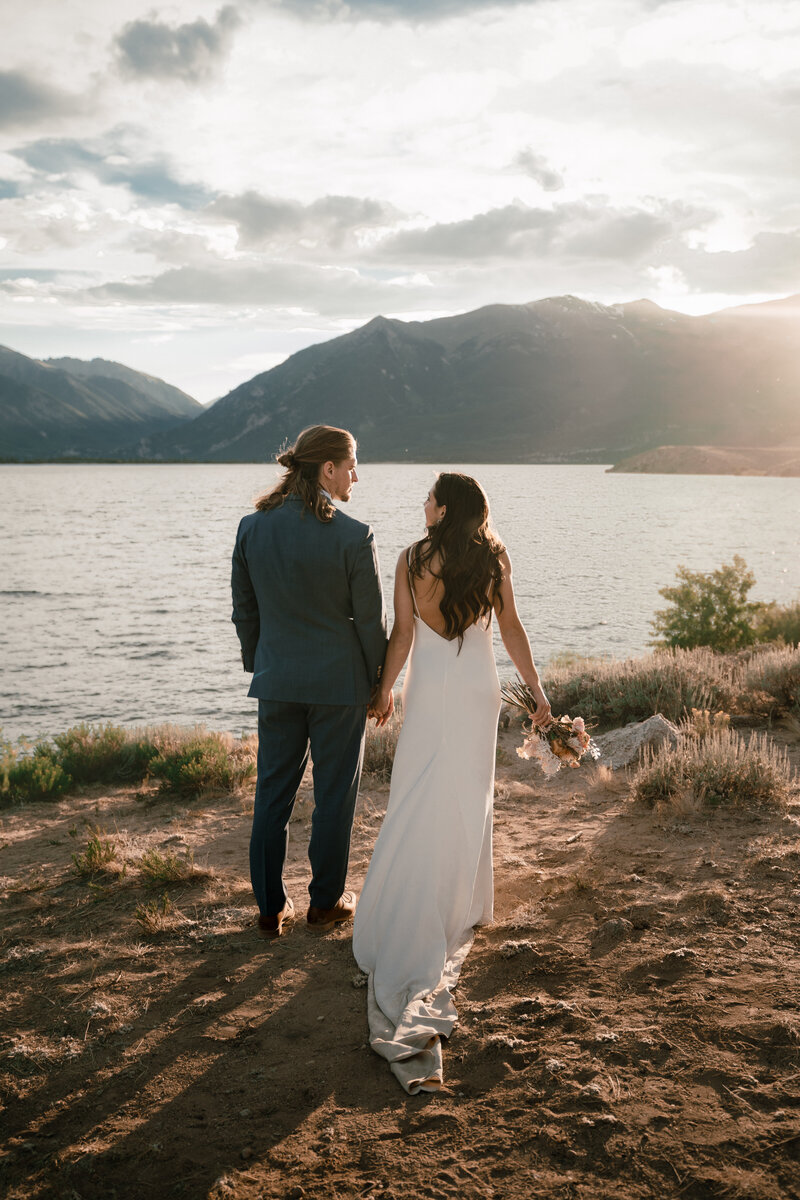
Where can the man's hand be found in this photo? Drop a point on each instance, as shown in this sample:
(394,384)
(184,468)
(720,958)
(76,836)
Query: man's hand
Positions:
(381,706)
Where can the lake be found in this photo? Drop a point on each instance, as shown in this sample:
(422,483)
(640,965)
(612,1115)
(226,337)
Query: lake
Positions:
(115,578)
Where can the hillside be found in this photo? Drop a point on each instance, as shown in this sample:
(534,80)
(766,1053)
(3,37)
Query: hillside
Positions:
(67,408)
(555,380)
(171,399)
(713,460)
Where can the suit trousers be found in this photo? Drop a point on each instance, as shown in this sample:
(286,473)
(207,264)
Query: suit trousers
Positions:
(334,734)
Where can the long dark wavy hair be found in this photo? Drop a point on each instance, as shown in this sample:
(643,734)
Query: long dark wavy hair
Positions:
(467,552)
(316,445)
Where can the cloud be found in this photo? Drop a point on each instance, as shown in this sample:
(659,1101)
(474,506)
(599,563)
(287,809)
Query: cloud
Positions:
(23,101)
(113,160)
(332,220)
(538,168)
(412,11)
(190,52)
(768,265)
(590,229)
(283,285)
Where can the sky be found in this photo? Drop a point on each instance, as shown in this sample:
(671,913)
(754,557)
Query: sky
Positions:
(199,189)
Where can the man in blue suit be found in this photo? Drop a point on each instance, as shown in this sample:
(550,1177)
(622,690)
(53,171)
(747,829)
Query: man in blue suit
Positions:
(309,612)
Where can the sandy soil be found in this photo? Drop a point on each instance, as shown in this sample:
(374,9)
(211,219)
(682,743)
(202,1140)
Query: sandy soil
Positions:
(629,1026)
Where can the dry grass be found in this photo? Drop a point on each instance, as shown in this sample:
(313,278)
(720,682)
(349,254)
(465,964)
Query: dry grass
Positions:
(670,683)
(153,916)
(380,745)
(719,770)
(777,673)
(170,868)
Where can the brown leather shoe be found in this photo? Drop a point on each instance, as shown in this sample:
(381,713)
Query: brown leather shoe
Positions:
(273,926)
(321,919)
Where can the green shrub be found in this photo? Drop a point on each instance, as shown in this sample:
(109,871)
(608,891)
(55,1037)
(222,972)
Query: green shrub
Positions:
(166,868)
(96,857)
(708,609)
(671,683)
(36,775)
(202,762)
(104,753)
(719,770)
(778,623)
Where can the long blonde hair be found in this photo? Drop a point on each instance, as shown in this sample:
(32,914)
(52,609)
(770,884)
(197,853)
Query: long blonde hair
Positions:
(316,445)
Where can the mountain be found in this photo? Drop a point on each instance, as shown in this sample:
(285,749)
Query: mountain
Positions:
(555,380)
(67,408)
(171,399)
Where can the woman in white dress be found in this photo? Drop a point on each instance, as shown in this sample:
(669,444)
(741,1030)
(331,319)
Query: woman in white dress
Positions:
(430,878)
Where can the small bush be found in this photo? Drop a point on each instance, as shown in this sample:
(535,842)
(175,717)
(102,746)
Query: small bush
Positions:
(777,672)
(153,915)
(670,683)
(30,776)
(96,857)
(165,868)
(380,745)
(708,609)
(701,722)
(104,753)
(720,770)
(203,762)
(778,623)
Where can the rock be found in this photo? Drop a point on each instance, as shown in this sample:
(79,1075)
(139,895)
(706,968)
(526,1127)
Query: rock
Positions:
(512,949)
(611,931)
(621,747)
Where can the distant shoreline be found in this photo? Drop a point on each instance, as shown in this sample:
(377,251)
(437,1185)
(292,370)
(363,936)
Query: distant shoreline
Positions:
(260,462)
(765,461)
(773,461)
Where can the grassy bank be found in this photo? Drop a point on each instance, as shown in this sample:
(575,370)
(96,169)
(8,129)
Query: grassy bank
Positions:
(760,681)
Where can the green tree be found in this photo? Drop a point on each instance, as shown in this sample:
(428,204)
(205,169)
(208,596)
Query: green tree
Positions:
(708,609)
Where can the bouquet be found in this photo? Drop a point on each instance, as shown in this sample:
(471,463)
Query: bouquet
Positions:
(561,743)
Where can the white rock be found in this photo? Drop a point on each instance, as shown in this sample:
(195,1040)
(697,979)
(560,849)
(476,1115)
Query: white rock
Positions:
(621,747)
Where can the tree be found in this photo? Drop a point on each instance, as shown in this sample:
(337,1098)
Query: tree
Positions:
(708,609)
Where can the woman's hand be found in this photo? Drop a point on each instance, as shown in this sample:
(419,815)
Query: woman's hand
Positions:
(543,715)
(381,706)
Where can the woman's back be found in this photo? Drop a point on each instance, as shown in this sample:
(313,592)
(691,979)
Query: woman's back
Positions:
(428,590)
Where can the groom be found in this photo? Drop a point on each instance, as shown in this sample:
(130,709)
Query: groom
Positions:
(308,609)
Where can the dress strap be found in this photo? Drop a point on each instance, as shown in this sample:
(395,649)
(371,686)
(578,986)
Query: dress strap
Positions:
(411,584)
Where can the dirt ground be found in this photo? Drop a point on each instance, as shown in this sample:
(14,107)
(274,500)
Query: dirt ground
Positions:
(629,1026)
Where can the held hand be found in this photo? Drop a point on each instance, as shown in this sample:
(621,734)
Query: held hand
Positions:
(381,707)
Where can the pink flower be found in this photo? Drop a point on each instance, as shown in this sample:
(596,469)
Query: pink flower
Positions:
(578,725)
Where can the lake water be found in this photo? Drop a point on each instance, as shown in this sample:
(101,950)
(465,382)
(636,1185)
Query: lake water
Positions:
(115,599)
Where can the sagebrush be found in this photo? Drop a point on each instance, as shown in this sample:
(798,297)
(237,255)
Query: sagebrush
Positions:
(722,769)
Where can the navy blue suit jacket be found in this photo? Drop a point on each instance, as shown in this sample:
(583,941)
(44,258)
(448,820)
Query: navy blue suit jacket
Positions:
(308,606)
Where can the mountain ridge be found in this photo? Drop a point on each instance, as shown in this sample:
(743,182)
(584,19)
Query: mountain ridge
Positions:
(66,408)
(557,379)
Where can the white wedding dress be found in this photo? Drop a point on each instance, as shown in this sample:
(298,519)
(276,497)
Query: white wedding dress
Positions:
(430,878)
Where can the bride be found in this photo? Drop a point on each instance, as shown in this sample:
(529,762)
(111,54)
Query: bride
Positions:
(430,878)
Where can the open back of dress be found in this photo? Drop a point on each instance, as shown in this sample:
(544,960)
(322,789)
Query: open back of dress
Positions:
(430,878)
